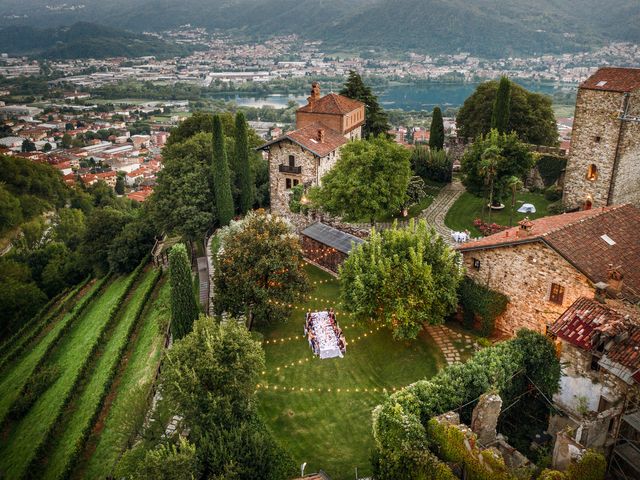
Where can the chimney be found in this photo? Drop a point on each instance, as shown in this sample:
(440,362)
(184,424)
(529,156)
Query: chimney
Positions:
(615,277)
(315,93)
(526,226)
(601,292)
(320,135)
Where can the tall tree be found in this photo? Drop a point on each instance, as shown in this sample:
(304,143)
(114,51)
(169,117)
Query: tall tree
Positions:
(502,106)
(259,267)
(513,159)
(119,188)
(436,132)
(28,146)
(184,309)
(404,278)
(531,115)
(369,180)
(376,120)
(221,176)
(244,180)
(489,161)
(514,184)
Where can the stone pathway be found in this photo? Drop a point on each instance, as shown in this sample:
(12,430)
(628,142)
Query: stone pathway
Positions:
(444,338)
(434,214)
(203,277)
(210,267)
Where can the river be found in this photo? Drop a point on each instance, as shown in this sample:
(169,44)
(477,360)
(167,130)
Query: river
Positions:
(404,97)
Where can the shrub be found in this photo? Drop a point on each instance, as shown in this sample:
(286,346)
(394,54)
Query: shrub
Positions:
(591,466)
(488,228)
(550,168)
(553,193)
(480,303)
(556,208)
(432,165)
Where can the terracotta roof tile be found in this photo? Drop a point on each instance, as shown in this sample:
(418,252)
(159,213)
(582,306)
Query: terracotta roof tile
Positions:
(613,79)
(587,323)
(309,138)
(578,237)
(332,103)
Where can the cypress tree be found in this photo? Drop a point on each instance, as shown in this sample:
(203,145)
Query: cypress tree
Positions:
(221,176)
(436,132)
(502,106)
(243,169)
(184,309)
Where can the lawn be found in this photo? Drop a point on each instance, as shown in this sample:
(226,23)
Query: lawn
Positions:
(331,430)
(86,403)
(469,207)
(134,387)
(18,447)
(15,376)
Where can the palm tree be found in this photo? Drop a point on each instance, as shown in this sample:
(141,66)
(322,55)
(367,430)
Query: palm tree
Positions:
(489,168)
(514,184)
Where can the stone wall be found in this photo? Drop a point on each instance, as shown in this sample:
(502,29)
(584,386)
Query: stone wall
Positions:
(596,130)
(312,169)
(626,186)
(524,273)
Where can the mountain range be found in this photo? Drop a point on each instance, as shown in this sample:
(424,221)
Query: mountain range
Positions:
(491,28)
(82,40)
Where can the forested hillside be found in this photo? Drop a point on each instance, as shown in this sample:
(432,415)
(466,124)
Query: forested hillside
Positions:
(484,27)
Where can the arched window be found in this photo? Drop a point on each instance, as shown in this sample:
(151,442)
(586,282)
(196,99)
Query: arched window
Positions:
(587,204)
(292,161)
(592,172)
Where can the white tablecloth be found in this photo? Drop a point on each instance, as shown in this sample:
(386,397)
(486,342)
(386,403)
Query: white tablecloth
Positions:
(326,337)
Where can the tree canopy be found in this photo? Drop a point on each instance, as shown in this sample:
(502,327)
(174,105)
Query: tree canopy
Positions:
(259,267)
(376,120)
(530,114)
(436,131)
(369,180)
(492,160)
(184,309)
(209,378)
(502,106)
(221,176)
(403,277)
(244,176)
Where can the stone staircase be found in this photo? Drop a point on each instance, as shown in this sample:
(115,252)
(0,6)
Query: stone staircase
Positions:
(434,214)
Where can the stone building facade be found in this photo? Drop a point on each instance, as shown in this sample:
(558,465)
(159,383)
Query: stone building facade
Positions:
(526,274)
(604,162)
(303,156)
(544,265)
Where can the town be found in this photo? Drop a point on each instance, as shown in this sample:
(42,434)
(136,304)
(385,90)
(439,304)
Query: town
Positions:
(193,289)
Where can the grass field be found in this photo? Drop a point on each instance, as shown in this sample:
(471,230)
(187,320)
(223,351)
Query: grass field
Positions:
(469,207)
(19,444)
(133,389)
(331,430)
(15,375)
(87,402)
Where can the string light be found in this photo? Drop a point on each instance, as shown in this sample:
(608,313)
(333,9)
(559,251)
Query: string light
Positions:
(282,340)
(350,390)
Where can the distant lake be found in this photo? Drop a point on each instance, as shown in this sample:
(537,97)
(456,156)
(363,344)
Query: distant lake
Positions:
(404,97)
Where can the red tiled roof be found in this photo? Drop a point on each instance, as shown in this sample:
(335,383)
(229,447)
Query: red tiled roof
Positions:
(580,323)
(308,138)
(141,195)
(333,104)
(587,323)
(612,79)
(578,237)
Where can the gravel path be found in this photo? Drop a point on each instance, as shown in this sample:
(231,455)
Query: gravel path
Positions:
(434,214)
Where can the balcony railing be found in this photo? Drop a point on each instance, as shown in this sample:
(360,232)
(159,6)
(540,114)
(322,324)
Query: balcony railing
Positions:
(289,169)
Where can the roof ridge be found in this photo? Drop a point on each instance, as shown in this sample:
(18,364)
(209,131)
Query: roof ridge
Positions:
(581,219)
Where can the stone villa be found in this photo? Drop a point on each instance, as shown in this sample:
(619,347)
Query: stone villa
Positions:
(604,164)
(303,156)
(544,265)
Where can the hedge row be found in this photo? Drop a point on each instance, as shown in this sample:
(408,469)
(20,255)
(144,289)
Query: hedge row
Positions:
(79,446)
(77,311)
(39,321)
(34,465)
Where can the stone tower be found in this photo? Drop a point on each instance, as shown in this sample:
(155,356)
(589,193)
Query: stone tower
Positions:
(604,162)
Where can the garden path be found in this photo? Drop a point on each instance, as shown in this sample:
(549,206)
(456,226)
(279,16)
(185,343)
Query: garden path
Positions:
(434,214)
(445,337)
